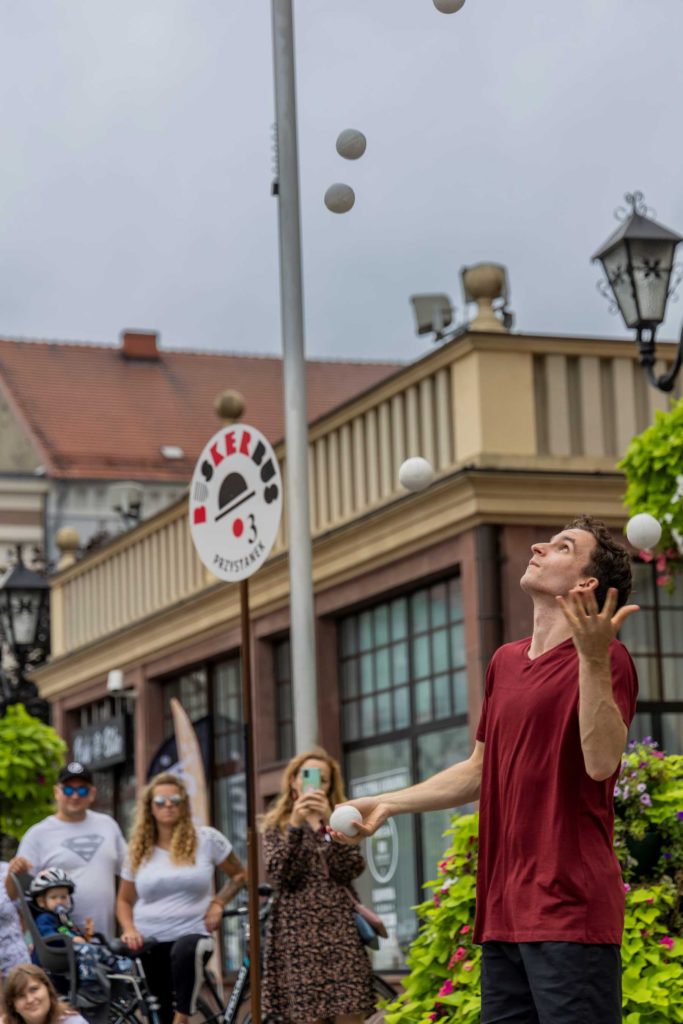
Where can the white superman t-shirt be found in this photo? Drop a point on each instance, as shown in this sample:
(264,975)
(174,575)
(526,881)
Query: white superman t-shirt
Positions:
(91,851)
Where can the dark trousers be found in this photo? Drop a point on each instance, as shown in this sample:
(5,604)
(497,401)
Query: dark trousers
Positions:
(550,983)
(175,973)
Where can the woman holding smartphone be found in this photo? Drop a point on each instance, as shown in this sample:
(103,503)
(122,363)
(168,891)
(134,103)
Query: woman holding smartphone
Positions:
(315,965)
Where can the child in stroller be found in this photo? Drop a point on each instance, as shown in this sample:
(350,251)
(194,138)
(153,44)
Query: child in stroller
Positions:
(50,898)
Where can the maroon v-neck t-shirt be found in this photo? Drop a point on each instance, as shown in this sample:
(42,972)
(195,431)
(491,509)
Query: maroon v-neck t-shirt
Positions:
(547,870)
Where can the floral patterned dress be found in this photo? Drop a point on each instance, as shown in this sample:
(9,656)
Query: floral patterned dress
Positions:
(315,965)
(13,949)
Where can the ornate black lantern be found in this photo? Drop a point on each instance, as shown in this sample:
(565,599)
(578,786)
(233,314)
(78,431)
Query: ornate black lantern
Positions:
(638,260)
(24,614)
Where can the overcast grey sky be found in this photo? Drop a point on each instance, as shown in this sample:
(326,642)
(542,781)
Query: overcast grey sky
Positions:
(136,162)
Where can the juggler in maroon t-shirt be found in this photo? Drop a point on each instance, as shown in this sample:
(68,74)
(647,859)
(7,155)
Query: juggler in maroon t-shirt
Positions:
(547,870)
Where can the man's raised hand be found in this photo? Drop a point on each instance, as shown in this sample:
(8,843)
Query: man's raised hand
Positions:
(592,629)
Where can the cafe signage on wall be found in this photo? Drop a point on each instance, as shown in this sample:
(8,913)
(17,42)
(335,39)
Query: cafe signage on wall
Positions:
(101,745)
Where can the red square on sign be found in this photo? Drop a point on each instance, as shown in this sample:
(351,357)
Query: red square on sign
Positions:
(199,514)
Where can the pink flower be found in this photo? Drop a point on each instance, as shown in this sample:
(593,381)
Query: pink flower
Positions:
(465,929)
(437,900)
(468,965)
(460,953)
(433,1016)
(667,941)
(627,887)
(446,988)
(650,900)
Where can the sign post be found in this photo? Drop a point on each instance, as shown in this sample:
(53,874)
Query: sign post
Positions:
(235,509)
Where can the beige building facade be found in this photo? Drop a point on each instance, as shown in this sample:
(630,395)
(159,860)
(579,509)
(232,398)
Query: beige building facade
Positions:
(413,592)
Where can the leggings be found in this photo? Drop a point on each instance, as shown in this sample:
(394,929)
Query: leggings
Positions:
(182,961)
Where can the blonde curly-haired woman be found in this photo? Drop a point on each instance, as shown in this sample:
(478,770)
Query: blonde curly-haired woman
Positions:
(165,893)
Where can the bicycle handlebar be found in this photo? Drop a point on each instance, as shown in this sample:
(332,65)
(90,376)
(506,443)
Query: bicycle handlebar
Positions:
(119,947)
(264,890)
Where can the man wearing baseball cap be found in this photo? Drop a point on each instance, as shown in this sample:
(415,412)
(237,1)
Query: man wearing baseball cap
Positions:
(86,844)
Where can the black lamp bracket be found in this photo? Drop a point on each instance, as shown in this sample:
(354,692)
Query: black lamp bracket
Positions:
(647,356)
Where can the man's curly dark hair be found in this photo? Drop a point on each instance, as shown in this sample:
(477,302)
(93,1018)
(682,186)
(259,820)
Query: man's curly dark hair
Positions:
(610,563)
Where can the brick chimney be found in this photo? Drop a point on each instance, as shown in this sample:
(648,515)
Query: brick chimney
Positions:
(139,345)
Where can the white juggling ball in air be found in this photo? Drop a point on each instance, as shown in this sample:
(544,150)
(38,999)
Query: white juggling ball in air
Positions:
(351,144)
(343,817)
(339,198)
(643,531)
(449,6)
(416,474)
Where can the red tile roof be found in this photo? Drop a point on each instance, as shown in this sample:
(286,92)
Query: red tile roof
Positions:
(93,413)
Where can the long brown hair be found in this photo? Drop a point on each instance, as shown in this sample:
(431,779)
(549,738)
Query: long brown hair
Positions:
(279,813)
(16,983)
(144,834)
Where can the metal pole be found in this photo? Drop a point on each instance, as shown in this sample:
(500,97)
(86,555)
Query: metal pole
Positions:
(252,840)
(302,629)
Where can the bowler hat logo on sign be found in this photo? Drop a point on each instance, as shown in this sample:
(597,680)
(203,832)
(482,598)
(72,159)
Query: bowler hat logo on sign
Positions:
(235,502)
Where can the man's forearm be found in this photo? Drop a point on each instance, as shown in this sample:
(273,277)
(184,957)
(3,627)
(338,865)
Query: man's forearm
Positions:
(457,785)
(602,729)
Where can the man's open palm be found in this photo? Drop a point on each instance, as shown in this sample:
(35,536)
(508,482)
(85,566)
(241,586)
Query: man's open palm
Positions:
(592,629)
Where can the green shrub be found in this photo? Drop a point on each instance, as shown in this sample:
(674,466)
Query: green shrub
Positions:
(445,966)
(31,754)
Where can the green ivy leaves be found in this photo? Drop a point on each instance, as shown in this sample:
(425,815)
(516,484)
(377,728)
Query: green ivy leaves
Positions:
(652,464)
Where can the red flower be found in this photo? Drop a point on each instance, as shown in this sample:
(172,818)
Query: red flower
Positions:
(446,988)
(465,929)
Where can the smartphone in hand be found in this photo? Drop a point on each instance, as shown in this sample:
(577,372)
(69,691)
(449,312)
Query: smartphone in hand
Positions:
(310,779)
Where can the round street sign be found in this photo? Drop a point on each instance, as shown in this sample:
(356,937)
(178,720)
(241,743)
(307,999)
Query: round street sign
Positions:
(235,502)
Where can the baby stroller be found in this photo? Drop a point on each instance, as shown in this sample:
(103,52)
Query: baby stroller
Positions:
(117,999)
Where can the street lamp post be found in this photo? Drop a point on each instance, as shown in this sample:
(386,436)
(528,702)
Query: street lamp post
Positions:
(24,603)
(286,188)
(302,625)
(638,260)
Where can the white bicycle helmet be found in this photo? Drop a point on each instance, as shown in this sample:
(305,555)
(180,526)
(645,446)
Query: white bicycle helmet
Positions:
(50,878)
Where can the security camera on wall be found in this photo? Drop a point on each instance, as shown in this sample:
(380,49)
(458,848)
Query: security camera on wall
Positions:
(116,685)
(115,681)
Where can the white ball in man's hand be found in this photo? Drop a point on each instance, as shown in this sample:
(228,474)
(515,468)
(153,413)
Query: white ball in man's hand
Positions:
(343,817)
(416,474)
(643,531)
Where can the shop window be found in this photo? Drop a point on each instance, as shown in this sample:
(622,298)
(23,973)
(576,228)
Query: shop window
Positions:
(403,692)
(654,636)
(102,738)
(403,661)
(192,690)
(284,725)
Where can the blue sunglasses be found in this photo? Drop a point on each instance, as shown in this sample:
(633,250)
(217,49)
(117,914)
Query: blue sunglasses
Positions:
(79,790)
